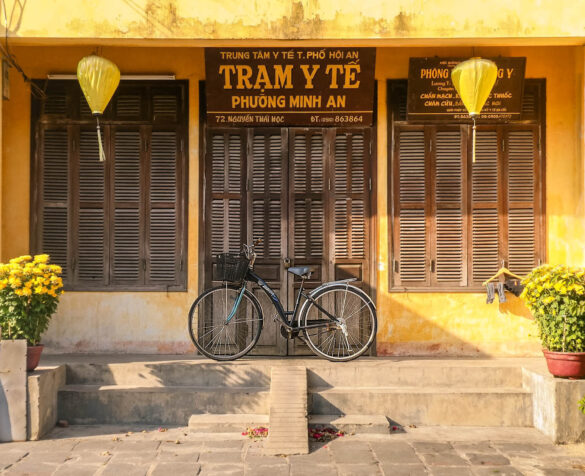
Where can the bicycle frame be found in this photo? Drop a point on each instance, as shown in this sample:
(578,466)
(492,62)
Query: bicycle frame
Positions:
(253,277)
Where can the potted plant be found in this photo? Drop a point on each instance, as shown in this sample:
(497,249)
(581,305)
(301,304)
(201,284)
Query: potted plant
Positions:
(556,297)
(29,294)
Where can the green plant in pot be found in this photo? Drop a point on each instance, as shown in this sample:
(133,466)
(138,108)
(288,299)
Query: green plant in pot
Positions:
(556,297)
(29,295)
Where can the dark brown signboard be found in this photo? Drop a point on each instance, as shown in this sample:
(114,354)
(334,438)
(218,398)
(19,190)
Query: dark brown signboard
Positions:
(289,86)
(432,96)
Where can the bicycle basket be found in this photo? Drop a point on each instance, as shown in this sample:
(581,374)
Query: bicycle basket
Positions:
(231,267)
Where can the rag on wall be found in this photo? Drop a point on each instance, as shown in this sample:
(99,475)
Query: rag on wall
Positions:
(501,292)
(515,286)
(491,290)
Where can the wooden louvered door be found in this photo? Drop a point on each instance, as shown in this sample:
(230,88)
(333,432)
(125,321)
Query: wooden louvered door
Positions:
(267,207)
(306,192)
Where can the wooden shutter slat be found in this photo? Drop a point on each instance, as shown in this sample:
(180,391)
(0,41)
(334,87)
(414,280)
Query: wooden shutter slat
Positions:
(358,151)
(217,163)
(341,164)
(485,168)
(91,245)
(449,245)
(126,245)
(412,247)
(412,166)
(55,165)
(341,227)
(234,163)
(165,106)
(485,235)
(217,227)
(128,106)
(163,170)
(91,170)
(449,167)
(163,245)
(258,163)
(521,166)
(315,168)
(127,166)
(300,163)
(521,240)
(358,229)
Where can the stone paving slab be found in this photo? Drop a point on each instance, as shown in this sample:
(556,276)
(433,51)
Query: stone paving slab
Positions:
(108,450)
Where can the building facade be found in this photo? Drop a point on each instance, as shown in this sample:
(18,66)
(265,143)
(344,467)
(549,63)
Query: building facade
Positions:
(399,204)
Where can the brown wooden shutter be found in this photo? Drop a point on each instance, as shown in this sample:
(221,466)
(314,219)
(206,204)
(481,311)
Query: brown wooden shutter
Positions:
(164,263)
(523,207)
(89,214)
(54,199)
(485,189)
(267,175)
(127,264)
(308,162)
(448,172)
(226,174)
(351,186)
(410,184)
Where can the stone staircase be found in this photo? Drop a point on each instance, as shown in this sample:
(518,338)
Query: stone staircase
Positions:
(426,392)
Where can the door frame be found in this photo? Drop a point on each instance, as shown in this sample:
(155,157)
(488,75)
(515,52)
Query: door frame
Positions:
(372,219)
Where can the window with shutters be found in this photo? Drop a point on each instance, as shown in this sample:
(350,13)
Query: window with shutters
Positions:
(118,224)
(455,222)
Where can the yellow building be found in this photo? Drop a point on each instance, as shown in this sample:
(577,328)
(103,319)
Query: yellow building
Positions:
(136,235)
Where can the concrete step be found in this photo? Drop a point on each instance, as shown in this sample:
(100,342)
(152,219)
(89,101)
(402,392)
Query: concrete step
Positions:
(371,424)
(443,373)
(427,406)
(169,405)
(170,373)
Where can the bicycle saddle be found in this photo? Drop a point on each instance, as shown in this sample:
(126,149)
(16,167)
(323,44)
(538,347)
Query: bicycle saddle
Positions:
(302,271)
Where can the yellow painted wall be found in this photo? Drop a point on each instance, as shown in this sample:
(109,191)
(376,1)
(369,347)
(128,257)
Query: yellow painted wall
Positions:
(296,19)
(462,323)
(409,322)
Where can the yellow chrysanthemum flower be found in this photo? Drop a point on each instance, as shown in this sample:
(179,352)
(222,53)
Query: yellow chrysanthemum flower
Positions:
(41,258)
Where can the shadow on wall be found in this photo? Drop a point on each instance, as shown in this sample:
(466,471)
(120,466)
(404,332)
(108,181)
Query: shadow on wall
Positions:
(408,329)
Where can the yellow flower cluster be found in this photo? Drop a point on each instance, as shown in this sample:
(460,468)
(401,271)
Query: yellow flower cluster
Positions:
(26,276)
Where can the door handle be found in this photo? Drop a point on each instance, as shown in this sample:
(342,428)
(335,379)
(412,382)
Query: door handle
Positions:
(286,262)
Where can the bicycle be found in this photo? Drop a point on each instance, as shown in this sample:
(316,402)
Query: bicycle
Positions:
(337,320)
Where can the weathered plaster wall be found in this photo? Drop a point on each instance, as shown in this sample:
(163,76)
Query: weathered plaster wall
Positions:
(295,19)
(409,322)
(463,323)
(126,322)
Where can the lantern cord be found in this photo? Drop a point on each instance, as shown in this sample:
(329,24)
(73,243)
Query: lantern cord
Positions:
(101,147)
(473,141)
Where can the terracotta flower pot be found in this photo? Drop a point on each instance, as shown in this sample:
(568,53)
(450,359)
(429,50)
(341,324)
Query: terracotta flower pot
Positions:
(565,364)
(33,356)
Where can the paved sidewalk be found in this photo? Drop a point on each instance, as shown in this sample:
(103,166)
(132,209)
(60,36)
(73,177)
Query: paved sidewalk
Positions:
(107,450)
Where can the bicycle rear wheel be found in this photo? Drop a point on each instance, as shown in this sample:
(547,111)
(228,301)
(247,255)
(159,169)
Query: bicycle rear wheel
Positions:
(355,331)
(215,336)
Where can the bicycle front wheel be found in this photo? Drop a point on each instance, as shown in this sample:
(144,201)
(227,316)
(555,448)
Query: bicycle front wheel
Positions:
(356,325)
(217,337)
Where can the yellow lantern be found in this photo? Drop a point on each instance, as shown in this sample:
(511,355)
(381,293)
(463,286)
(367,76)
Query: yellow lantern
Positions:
(474,79)
(98,78)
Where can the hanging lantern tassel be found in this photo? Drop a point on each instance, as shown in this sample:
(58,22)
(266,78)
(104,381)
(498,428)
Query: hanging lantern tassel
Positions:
(474,79)
(98,78)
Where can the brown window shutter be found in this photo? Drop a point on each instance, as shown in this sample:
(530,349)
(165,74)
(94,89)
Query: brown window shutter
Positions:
(308,161)
(54,200)
(523,173)
(90,211)
(411,252)
(349,195)
(485,226)
(448,179)
(163,229)
(266,179)
(226,152)
(127,260)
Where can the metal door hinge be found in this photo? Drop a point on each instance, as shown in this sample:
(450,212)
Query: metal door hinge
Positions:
(182,145)
(396,266)
(370,183)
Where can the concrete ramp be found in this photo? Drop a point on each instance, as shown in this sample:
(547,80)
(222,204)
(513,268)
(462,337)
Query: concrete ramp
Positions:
(288,431)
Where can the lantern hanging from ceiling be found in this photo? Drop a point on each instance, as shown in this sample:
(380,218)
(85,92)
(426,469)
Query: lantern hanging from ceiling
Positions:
(474,79)
(98,78)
